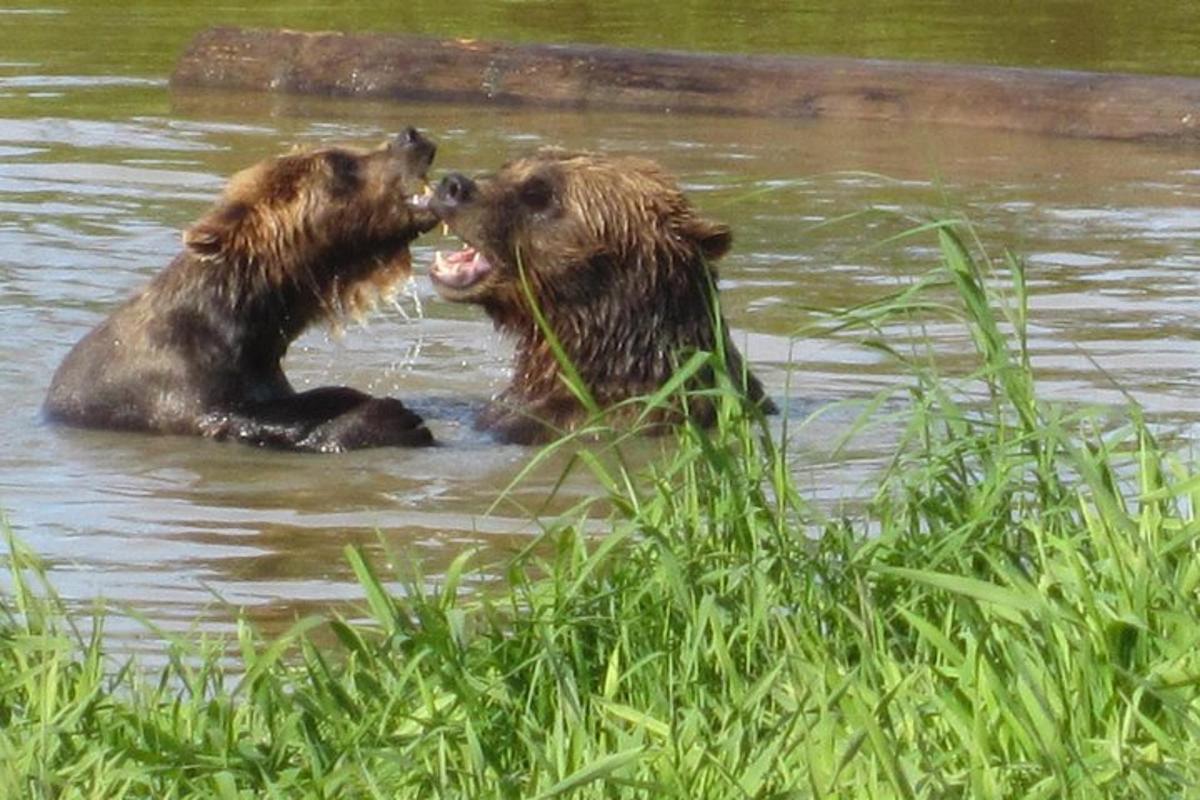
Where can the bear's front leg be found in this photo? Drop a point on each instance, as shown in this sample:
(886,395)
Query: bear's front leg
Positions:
(331,419)
(377,422)
(519,421)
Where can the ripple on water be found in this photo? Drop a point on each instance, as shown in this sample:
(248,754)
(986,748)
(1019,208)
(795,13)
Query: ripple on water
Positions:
(102,135)
(75,81)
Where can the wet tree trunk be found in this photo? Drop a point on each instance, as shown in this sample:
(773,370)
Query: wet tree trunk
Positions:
(383,67)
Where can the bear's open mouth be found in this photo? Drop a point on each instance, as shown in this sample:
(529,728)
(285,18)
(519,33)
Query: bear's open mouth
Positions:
(461,269)
(418,208)
(423,198)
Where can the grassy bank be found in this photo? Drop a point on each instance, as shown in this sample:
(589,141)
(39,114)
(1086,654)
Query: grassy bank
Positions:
(1014,613)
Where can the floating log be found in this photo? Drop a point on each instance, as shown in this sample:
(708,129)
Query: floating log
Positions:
(387,67)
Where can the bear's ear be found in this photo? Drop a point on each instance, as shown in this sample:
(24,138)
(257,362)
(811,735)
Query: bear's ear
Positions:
(713,238)
(218,232)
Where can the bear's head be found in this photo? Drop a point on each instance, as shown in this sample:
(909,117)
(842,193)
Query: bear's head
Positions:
(332,225)
(585,229)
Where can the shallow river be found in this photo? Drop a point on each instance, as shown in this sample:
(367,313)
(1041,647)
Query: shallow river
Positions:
(101,167)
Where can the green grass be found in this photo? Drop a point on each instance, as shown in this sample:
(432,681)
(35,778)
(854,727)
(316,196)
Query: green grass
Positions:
(1013,613)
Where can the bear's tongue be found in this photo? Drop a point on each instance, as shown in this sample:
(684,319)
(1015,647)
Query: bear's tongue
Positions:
(460,269)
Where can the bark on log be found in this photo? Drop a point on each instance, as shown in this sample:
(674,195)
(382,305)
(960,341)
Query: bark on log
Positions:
(386,67)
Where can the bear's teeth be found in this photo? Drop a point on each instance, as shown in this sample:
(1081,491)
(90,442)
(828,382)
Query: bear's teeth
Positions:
(424,197)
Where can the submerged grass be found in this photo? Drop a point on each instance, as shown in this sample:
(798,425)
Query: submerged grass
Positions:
(1014,614)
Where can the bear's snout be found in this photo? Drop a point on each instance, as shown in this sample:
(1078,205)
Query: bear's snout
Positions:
(454,190)
(415,151)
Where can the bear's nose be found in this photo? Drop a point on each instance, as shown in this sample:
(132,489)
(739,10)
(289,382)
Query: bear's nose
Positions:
(455,188)
(414,150)
(411,140)
(408,138)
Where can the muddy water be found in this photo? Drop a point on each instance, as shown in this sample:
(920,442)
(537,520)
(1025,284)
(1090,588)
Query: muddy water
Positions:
(101,167)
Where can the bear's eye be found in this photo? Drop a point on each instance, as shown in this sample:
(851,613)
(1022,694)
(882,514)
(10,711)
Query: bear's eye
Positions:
(343,167)
(536,193)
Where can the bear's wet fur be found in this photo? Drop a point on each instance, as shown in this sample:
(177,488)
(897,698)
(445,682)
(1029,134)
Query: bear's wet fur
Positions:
(619,264)
(306,237)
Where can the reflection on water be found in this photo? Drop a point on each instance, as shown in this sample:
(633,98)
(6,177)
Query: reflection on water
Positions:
(142,37)
(98,176)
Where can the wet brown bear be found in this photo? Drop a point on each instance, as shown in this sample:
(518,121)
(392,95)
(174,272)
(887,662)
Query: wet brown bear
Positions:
(297,239)
(618,262)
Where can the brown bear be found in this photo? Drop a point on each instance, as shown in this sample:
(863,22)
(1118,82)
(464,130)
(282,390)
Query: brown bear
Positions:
(621,268)
(308,236)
